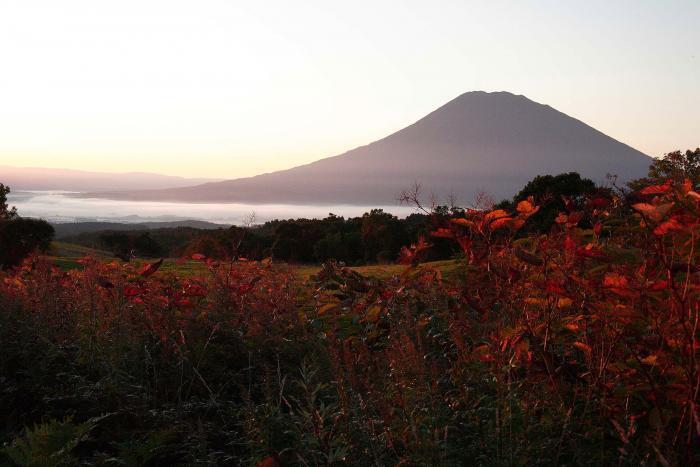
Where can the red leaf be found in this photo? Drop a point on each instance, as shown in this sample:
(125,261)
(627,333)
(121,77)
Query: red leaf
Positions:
(617,284)
(149,269)
(463,222)
(497,214)
(574,218)
(411,254)
(670,225)
(650,360)
(598,229)
(569,244)
(568,204)
(406,256)
(584,347)
(500,223)
(269,461)
(644,208)
(527,207)
(184,302)
(654,212)
(656,189)
(194,290)
(614,280)
(442,233)
(590,251)
(198,256)
(555,288)
(599,202)
(130,291)
(518,222)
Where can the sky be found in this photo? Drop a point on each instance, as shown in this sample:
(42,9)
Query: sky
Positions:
(235,88)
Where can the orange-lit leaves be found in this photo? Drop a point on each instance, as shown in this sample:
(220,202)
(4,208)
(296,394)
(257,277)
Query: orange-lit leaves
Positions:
(151,268)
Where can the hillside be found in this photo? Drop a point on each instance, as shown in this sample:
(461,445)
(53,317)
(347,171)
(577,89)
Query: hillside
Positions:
(46,179)
(493,142)
(68,229)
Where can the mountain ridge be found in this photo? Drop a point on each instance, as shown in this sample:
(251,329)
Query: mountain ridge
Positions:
(46,178)
(478,141)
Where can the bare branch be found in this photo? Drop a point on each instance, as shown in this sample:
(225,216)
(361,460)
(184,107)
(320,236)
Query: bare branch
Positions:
(411,197)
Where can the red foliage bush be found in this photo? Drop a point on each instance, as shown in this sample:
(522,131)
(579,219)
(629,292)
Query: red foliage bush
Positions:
(579,346)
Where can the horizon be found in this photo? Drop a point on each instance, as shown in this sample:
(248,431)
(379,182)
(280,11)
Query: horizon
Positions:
(225,91)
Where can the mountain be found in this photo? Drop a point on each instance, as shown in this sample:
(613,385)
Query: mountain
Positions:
(33,178)
(492,142)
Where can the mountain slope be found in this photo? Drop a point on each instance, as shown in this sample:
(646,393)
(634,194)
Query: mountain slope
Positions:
(493,142)
(34,178)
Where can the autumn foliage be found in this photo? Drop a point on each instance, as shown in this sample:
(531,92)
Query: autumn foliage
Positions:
(579,346)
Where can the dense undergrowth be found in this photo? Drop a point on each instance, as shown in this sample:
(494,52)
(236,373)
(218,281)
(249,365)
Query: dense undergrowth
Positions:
(579,347)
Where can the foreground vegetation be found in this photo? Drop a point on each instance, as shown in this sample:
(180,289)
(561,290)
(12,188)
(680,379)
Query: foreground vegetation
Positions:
(578,347)
(565,332)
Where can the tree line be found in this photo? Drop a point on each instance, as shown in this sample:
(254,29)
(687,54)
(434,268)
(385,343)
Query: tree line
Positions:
(20,236)
(374,237)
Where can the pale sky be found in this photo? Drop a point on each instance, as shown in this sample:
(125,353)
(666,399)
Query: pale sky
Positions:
(235,88)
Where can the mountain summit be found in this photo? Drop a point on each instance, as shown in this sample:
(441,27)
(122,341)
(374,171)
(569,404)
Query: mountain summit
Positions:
(492,142)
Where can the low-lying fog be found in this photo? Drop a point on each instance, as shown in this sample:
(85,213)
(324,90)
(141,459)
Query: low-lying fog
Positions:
(56,207)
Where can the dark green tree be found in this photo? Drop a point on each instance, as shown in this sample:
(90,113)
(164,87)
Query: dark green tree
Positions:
(20,237)
(144,245)
(332,246)
(5,211)
(118,243)
(550,192)
(675,165)
(289,244)
(383,235)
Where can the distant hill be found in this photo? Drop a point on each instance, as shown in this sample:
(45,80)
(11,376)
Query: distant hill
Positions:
(33,178)
(493,142)
(68,230)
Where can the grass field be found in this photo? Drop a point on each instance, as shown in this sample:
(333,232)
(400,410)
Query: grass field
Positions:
(449,268)
(66,256)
